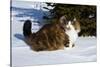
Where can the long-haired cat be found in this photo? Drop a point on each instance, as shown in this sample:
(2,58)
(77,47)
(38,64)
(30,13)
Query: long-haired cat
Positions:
(54,36)
(49,37)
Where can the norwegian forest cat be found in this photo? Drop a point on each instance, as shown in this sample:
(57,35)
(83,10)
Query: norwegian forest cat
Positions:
(52,36)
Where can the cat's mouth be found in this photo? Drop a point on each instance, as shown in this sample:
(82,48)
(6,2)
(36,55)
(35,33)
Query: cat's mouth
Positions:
(68,28)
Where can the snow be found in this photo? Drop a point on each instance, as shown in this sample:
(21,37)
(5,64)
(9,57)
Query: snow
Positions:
(22,55)
(84,51)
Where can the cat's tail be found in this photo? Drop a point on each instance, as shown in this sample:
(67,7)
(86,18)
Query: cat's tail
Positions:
(27,28)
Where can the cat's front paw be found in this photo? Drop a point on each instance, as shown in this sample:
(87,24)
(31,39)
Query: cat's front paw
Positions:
(66,45)
(71,45)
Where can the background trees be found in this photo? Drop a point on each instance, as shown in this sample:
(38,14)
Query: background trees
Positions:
(86,14)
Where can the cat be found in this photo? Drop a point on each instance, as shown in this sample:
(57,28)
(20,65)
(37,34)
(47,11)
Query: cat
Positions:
(52,36)
(49,37)
(72,30)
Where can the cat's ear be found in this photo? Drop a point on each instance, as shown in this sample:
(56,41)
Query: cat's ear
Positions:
(76,25)
(63,19)
(74,19)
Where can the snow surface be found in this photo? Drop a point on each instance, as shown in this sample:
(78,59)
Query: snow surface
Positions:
(22,55)
(84,51)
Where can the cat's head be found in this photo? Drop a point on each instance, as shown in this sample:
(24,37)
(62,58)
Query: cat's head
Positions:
(70,24)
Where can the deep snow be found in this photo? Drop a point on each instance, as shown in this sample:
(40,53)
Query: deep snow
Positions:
(84,50)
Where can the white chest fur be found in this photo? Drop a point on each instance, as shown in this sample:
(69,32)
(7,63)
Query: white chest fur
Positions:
(72,33)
